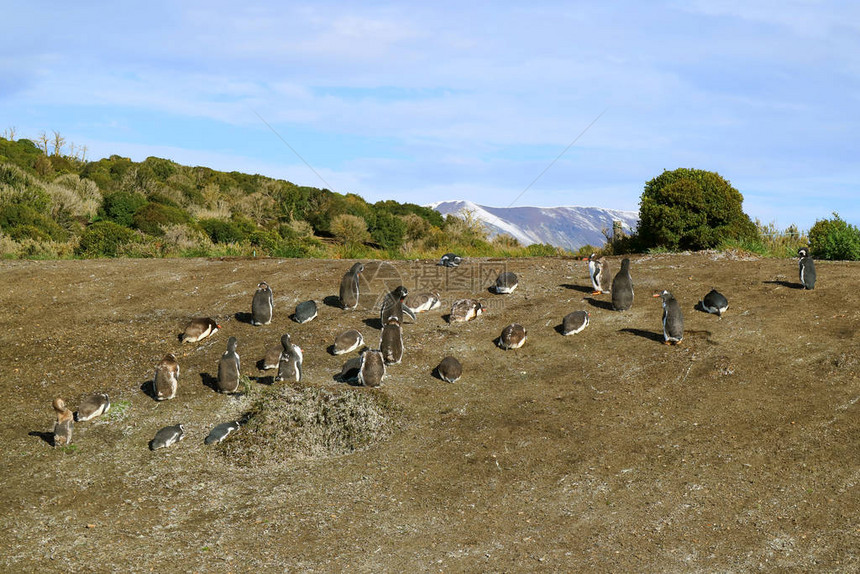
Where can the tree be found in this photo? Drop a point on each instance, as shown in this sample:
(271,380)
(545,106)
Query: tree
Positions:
(691,209)
(834,239)
(350,229)
(58,143)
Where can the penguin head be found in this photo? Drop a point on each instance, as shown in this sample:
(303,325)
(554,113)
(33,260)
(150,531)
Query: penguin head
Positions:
(803,252)
(357,268)
(285,342)
(401,292)
(664,295)
(231,345)
(262,286)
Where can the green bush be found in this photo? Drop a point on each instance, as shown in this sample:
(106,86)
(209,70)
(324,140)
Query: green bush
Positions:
(103,239)
(222,231)
(20,232)
(834,239)
(120,206)
(388,230)
(152,217)
(17,215)
(691,209)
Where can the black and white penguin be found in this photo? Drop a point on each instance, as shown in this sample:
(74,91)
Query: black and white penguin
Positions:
(622,287)
(349,371)
(64,425)
(715,302)
(593,271)
(464,310)
(92,406)
(220,432)
(392,306)
(349,286)
(574,322)
(167,436)
(450,260)
(603,275)
(391,342)
(166,378)
(513,337)
(506,282)
(423,301)
(199,328)
(347,342)
(372,369)
(290,363)
(449,370)
(262,305)
(673,319)
(807,268)
(305,311)
(272,357)
(229,368)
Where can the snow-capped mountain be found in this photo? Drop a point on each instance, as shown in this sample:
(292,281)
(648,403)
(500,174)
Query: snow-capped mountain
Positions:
(569,227)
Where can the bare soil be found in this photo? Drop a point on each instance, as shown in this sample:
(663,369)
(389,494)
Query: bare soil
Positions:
(605,451)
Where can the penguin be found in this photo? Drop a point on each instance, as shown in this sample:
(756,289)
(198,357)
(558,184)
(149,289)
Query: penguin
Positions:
(513,337)
(349,286)
(392,306)
(464,310)
(593,273)
(622,287)
(92,406)
(167,436)
(423,301)
(290,363)
(506,283)
(166,378)
(450,260)
(349,371)
(272,357)
(305,311)
(673,319)
(199,329)
(807,268)
(603,276)
(715,302)
(574,323)
(64,425)
(372,369)
(347,342)
(262,305)
(229,368)
(220,432)
(449,370)
(391,342)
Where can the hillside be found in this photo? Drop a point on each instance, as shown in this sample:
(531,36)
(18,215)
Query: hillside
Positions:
(569,227)
(604,451)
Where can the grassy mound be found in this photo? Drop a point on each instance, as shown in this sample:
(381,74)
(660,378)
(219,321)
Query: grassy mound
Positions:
(297,422)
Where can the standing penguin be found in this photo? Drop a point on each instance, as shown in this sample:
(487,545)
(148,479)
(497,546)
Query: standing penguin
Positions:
(349,286)
(64,425)
(673,319)
(593,271)
(166,378)
(92,406)
(513,336)
(262,305)
(807,268)
(391,342)
(372,369)
(604,276)
(290,365)
(392,306)
(715,302)
(622,287)
(228,368)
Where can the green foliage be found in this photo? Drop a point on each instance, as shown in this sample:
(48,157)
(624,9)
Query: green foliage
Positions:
(20,232)
(349,228)
(151,218)
(388,230)
(834,239)
(103,239)
(770,242)
(222,231)
(121,206)
(18,215)
(431,216)
(691,209)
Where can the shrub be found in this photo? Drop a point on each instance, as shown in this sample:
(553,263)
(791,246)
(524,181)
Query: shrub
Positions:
(691,209)
(16,215)
(834,239)
(20,232)
(222,231)
(103,238)
(121,206)
(349,228)
(388,231)
(152,217)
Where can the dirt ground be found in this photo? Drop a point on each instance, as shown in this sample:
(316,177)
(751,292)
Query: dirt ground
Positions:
(605,451)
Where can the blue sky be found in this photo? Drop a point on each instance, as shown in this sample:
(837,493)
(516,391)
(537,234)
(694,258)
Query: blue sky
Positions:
(423,102)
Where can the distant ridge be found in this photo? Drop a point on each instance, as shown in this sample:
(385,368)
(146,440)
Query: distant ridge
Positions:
(569,227)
